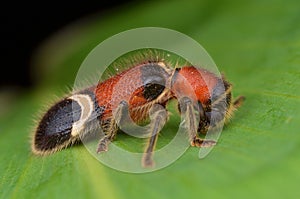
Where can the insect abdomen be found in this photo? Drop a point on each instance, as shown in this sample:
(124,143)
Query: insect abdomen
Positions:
(64,123)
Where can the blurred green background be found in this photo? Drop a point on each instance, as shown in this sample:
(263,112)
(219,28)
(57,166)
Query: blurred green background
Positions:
(255,43)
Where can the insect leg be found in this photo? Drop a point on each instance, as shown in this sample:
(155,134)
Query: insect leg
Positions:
(187,108)
(112,129)
(158,116)
(239,101)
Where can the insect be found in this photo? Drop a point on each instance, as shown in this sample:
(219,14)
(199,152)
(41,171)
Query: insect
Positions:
(134,91)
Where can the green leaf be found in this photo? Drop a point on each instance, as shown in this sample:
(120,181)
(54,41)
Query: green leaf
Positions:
(255,43)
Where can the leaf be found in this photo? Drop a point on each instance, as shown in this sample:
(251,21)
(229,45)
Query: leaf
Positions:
(256,44)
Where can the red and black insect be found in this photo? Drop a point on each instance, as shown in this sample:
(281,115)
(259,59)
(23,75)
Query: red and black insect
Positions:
(135,91)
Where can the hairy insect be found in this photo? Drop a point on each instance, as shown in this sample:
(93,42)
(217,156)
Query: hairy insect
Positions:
(135,91)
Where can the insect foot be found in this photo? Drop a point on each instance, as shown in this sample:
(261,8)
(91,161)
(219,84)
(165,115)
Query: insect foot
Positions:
(103,144)
(158,116)
(198,142)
